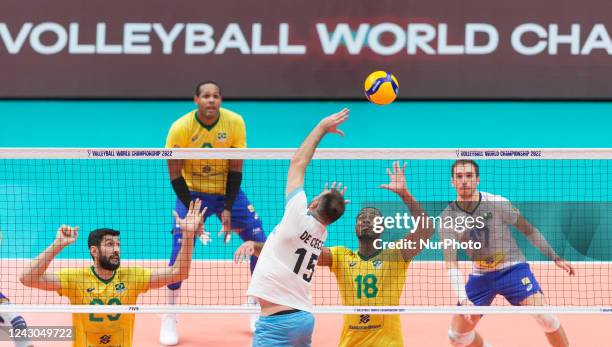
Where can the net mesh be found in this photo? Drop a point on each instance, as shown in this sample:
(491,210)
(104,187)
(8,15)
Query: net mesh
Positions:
(564,193)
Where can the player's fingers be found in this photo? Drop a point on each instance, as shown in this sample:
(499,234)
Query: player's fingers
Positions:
(339,186)
(340,132)
(343,191)
(326,188)
(404,168)
(384,186)
(333,186)
(389,173)
(395,167)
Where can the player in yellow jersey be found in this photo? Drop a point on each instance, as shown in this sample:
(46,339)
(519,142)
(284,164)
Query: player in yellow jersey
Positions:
(215,182)
(106,282)
(370,276)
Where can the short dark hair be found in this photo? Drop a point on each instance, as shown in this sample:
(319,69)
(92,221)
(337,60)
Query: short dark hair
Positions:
(96,236)
(197,90)
(463,162)
(363,210)
(331,206)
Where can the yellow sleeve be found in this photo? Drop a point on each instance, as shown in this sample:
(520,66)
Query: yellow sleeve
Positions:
(176,136)
(141,278)
(338,256)
(69,278)
(239,133)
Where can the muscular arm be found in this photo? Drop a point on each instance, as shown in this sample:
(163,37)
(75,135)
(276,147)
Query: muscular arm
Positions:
(536,238)
(35,274)
(423,231)
(190,225)
(303,156)
(179,270)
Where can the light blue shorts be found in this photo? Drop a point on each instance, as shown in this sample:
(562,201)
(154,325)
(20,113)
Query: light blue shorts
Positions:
(293,329)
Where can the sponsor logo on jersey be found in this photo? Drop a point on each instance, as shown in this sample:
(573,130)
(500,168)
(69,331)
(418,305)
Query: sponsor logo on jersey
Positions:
(352,264)
(194,139)
(364,318)
(89,290)
(377,264)
(105,339)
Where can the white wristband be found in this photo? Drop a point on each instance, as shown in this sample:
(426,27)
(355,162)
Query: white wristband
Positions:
(458,283)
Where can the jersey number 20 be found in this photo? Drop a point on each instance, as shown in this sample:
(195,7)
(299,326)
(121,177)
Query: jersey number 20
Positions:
(301,252)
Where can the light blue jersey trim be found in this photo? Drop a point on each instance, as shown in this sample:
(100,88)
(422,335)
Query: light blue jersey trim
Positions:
(295,192)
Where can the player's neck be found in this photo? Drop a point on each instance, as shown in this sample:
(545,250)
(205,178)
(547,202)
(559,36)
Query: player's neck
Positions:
(104,273)
(207,120)
(468,203)
(366,248)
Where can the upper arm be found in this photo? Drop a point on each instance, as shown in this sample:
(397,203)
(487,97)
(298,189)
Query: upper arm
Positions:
(416,237)
(326,258)
(176,136)
(239,134)
(295,178)
(510,214)
(175,168)
(48,281)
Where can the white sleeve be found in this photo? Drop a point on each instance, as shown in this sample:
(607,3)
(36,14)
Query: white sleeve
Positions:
(296,206)
(510,214)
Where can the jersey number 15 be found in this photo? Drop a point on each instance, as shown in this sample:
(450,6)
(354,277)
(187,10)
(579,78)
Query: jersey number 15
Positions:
(301,252)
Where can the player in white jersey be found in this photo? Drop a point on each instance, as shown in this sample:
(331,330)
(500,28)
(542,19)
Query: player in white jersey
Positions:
(281,280)
(499,266)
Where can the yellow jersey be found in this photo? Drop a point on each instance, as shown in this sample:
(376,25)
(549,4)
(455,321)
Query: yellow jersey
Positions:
(229,131)
(83,287)
(374,281)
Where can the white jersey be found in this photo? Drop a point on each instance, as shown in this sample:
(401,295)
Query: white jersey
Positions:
(288,259)
(499,249)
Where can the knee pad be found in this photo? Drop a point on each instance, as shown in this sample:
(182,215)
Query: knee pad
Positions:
(548,322)
(461,339)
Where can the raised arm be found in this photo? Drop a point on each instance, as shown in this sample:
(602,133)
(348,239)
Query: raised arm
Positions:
(301,158)
(537,239)
(190,227)
(35,274)
(423,231)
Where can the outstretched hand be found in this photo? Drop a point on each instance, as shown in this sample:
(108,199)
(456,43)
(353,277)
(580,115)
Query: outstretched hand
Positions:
(330,124)
(566,266)
(339,188)
(193,223)
(397,179)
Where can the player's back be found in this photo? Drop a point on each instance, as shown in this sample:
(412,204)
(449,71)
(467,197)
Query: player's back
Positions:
(377,280)
(288,259)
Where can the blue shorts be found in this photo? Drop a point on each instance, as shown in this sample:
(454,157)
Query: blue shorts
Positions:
(293,329)
(244,218)
(515,283)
